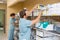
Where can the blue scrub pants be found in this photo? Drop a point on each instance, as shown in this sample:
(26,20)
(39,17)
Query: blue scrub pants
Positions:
(11,34)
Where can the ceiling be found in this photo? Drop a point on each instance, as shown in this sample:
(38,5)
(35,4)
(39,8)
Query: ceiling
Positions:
(11,3)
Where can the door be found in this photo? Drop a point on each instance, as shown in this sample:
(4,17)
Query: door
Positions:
(2,20)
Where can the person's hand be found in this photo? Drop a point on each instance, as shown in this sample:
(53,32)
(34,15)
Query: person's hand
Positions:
(36,6)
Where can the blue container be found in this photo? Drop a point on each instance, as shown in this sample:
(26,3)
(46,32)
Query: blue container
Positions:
(44,24)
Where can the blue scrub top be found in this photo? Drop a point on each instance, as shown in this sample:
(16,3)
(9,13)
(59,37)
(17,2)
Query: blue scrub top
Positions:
(24,29)
(11,29)
(11,25)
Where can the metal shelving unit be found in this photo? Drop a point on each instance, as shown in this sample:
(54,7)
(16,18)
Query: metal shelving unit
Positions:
(47,35)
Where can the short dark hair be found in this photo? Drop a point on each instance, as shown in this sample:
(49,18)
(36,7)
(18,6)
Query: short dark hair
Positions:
(22,13)
(12,14)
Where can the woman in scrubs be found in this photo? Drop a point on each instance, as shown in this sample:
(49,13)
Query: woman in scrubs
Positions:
(24,29)
(11,27)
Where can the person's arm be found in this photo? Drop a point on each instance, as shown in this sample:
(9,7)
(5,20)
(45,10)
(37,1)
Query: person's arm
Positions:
(37,19)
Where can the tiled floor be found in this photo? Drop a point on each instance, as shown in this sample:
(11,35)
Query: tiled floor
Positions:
(3,36)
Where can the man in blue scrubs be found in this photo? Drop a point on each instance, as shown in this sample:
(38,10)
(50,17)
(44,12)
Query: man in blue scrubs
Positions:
(24,29)
(11,27)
